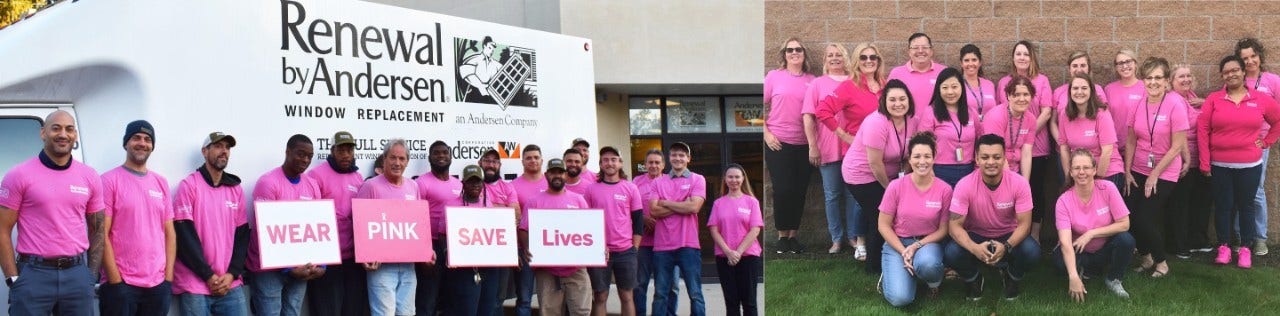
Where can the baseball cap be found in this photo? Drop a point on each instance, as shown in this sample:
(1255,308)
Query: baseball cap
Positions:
(343,138)
(471,171)
(580,140)
(555,163)
(491,151)
(217,137)
(609,149)
(139,126)
(680,145)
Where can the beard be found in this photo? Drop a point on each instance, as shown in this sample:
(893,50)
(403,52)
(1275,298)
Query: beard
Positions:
(491,178)
(139,157)
(556,184)
(440,168)
(574,172)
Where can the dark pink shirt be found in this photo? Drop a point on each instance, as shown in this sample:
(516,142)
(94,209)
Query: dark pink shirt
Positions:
(1227,130)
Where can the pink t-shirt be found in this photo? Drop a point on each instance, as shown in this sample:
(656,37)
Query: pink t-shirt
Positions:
(617,200)
(878,133)
(1193,116)
(501,193)
(735,217)
(526,190)
(991,213)
(647,194)
(1043,100)
(920,84)
(379,188)
(579,187)
(915,212)
(784,93)
(548,201)
(952,134)
(215,212)
(51,206)
(678,230)
(436,192)
(847,107)
(1106,206)
(339,187)
(981,98)
(1123,101)
(274,186)
(1172,117)
(1062,96)
(1227,128)
(1016,133)
(1091,134)
(138,206)
(828,144)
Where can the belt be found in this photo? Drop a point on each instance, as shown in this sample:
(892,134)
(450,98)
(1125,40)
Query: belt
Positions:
(53,262)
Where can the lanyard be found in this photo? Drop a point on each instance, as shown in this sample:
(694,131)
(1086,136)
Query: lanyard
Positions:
(976,95)
(1257,81)
(902,150)
(1014,133)
(955,122)
(1151,130)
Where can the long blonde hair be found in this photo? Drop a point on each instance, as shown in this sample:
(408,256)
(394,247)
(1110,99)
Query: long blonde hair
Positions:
(746,182)
(843,52)
(855,75)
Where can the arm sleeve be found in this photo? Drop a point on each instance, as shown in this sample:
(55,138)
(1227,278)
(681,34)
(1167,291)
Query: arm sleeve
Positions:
(1271,113)
(959,202)
(889,204)
(826,109)
(239,251)
(190,251)
(637,222)
(1061,215)
(1106,129)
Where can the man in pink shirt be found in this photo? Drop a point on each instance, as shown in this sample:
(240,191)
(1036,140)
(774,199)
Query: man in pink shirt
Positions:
(653,165)
(990,222)
(576,176)
(437,188)
(585,148)
(678,199)
(527,185)
(343,289)
(920,73)
(213,235)
(49,195)
(393,285)
(280,291)
(139,223)
(560,289)
(624,222)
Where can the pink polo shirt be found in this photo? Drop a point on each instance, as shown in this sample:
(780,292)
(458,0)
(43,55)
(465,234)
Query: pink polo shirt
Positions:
(215,212)
(339,187)
(436,192)
(828,144)
(735,217)
(1091,134)
(916,212)
(1123,101)
(1062,95)
(1172,117)
(920,84)
(274,186)
(1228,129)
(1016,133)
(548,201)
(617,200)
(952,134)
(501,193)
(991,213)
(647,194)
(1043,100)
(51,206)
(981,98)
(1105,207)
(138,206)
(847,107)
(678,230)
(878,133)
(784,93)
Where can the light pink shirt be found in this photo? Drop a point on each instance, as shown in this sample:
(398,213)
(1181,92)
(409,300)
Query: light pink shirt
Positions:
(1123,101)
(1015,133)
(51,206)
(339,187)
(647,194)
(981,98)
(952,134)
(1105,207)
(878,133)
(915,212)
(215,212)
(138,206)
(920,84)
(784,93)
(1091,134)
(545,200)
(1172,117)
(1043,100)
(617,200)
(991,213)
(828,143)
(436,193)
(735,217)
(678,230)
(274,186)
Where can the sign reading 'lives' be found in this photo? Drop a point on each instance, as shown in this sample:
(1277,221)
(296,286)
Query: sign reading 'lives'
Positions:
(390,231)
(295,233)
(566,238)
(481,237)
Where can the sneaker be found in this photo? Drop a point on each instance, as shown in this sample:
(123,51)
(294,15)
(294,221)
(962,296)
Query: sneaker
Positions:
(1260,247)
(1224,255)
(880,284)
(1011,288)
(1246,260)
(782,245)
(1115,287)
(974,289)
(1202,249)
(1183,254)
(796,247)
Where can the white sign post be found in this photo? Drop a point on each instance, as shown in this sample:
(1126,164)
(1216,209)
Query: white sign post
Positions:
(481,237)
(571,237)
(295,233)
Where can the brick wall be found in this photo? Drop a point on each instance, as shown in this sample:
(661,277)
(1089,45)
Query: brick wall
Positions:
(1198,33)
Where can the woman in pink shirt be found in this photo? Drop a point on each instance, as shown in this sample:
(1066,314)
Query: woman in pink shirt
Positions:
(955,125)
(784,135)
(1078,63)
(1026,64)
(1124,95)
(980,93)
(1231,153)
(913,222)
(735,222)
(1084,123)
(1092,226)
(1012,122)
(1257,78)
(851,102)
(876,156)
(1188,218)
(1153,161)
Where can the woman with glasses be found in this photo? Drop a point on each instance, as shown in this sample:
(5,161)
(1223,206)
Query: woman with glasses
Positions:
(1257,78)
(788,147)
(955,126)
(980,93)
(1188,218)
(1026,64)
(877,155)
(1124,95)
(1153,161)
(1085,124)
(1092,223)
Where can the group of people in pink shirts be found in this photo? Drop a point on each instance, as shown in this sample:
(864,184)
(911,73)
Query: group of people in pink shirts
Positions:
(964,170)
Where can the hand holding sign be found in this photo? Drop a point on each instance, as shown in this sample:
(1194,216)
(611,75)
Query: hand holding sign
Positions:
(391,231)
(481,237)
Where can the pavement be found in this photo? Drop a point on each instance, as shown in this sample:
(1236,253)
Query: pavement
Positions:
(711,295)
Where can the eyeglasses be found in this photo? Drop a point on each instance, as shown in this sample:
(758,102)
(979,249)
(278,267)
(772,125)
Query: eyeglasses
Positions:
(1156,78)
(793,50)
(1126,63)
(871,57)
(921,47)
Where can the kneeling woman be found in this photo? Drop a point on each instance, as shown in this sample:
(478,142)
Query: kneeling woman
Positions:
(1093,225)
(913,222)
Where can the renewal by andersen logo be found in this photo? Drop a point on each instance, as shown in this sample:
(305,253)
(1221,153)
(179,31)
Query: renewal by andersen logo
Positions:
(493,73)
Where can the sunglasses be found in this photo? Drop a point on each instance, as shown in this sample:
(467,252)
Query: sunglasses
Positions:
(793,50)
(871,57)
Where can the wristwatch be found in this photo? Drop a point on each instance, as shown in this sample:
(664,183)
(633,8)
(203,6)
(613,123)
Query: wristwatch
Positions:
(11,280)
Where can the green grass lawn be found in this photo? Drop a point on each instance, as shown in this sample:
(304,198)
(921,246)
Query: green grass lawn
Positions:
(838,286)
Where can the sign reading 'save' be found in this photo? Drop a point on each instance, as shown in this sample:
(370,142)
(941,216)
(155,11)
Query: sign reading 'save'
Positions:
(481,237)
(295,233)
(566,238)
(391,231)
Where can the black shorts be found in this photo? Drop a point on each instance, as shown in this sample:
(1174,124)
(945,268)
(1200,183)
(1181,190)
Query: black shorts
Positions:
(623,268)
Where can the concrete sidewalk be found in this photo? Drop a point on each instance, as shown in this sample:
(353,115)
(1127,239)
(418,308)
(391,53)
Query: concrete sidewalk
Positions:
(711,295)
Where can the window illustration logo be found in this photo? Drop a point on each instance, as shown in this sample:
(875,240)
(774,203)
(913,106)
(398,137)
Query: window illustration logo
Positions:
(492,73)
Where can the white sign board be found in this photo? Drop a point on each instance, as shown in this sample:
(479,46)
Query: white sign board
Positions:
(295,233)
(566,238)
(481,237)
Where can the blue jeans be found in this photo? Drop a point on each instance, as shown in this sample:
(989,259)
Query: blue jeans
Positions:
(40,289)
(1024,255)
(463,292)
(276,293)
(644,264)
(524,289)
(900,286)
(1114,254)
(690,262)
(391,289)
(128,300)
(951,174)
(835,193)
(492,279)
(1259,204)
(1234,191)
(232,304)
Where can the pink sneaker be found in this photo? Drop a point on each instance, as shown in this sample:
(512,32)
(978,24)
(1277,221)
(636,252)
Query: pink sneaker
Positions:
(1224,255)
(1246,258)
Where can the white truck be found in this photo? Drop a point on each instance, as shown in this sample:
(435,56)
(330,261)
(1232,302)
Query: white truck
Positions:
(265,70)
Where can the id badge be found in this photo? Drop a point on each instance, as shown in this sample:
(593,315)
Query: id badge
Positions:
(959,155)
(901,174)
(1151,160)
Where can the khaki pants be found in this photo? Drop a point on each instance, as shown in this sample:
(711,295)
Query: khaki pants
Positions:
(557,294)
